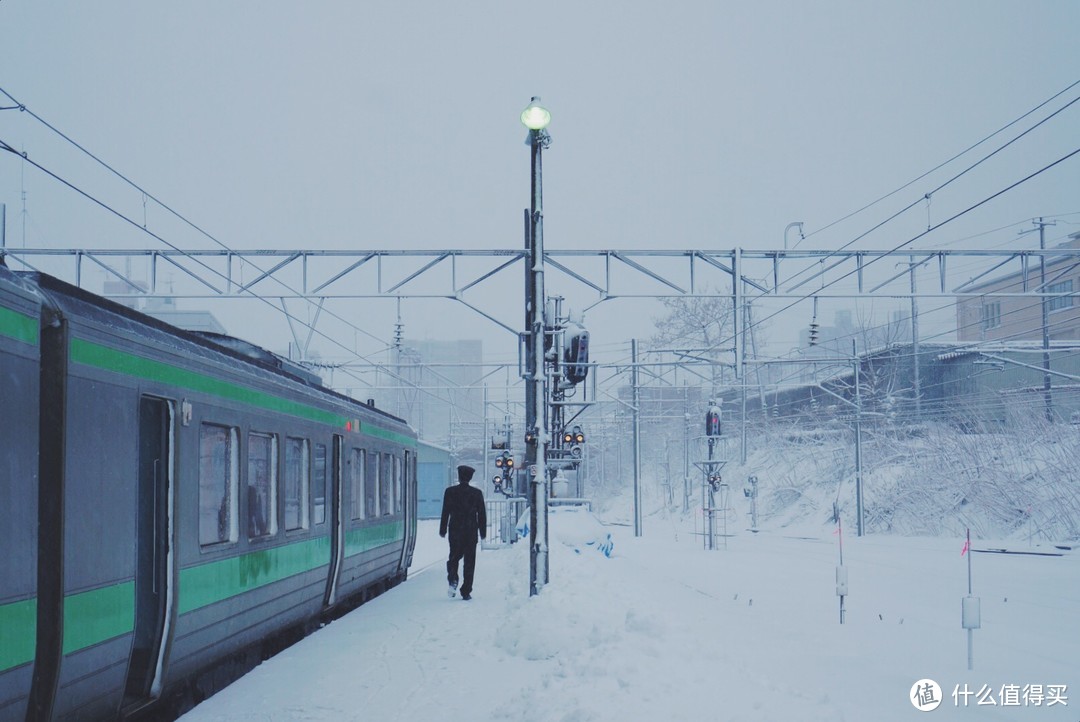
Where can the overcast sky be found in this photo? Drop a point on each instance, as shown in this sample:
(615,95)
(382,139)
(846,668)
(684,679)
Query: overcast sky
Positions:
(395,124)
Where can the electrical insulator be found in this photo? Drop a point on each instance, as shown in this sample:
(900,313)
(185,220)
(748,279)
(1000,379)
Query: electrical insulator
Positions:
(814,333)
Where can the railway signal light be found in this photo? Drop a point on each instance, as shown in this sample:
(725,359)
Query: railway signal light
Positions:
(574,438)
(504,479)
(576,353)
(712,420)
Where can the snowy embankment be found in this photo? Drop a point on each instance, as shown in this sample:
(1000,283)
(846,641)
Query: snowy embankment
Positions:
(663,630)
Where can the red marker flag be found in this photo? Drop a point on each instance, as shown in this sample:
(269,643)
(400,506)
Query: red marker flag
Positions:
(967,545)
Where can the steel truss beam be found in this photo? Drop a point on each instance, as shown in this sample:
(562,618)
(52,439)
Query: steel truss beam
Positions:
(610,274)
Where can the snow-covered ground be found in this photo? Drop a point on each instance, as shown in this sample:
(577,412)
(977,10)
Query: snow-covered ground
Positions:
(664,630)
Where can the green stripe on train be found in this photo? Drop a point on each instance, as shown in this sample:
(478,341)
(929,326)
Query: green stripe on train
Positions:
(18,633)
(18,326)
(361,540)
(101,614)
(89,617)
(110,359)
(97,615)
(216,581)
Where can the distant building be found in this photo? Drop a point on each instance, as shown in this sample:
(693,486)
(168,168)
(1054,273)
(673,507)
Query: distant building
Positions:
(441,382)
(994,317)
(162,308)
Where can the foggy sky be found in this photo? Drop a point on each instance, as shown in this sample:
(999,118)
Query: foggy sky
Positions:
(395,125)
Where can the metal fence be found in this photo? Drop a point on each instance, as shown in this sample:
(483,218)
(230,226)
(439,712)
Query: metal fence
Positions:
(502,520)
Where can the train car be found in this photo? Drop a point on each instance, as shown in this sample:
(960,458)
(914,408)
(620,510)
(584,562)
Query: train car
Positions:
(20,353)
(199,499)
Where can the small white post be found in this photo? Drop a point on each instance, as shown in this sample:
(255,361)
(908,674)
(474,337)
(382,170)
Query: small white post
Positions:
(971,617)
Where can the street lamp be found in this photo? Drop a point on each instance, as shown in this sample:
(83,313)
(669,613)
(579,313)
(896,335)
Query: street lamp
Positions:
(535,117)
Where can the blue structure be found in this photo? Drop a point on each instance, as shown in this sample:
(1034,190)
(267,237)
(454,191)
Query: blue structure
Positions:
(434,464)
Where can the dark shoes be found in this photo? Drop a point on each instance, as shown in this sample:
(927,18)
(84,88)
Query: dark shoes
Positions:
(465,596)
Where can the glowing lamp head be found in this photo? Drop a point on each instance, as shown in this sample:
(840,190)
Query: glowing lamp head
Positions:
(535,116)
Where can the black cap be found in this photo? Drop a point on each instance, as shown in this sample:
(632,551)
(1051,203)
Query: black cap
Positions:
(465,473)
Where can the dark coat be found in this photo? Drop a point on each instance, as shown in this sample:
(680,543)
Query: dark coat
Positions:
(464,513)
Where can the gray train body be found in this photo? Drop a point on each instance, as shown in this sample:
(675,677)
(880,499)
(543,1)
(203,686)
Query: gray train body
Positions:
(176,504)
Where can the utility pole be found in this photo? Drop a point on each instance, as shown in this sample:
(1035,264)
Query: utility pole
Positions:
(536,119)
(858,444)
(916,383)
(637,436)
(1047,400)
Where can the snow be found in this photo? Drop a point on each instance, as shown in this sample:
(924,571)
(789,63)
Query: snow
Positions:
(665,630)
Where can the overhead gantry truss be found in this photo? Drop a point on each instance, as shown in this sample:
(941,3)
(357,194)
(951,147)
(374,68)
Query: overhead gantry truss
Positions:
(610,274)
(792,275)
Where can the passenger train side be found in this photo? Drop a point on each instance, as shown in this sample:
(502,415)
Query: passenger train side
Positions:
(174,505)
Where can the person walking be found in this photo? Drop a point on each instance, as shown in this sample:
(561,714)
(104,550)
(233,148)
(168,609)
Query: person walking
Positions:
(464,516)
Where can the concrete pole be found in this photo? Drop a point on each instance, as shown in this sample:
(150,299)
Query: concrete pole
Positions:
(914,346)
(858,445)
(637,437)
(1047,398)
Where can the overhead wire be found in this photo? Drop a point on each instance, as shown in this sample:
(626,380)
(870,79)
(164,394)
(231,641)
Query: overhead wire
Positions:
(940,187)
(945,163)
(7,147)
(146,194)
(23,108)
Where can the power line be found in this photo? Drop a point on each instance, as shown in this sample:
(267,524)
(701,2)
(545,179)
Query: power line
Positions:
(7,147)
(945,163)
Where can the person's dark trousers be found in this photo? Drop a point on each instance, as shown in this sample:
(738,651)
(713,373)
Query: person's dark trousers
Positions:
(461,550)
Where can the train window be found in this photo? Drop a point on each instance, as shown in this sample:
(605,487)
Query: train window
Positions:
(262,485)
(357,473)
(386,497)
(318,483)
(219,464)
(297,483)
(397,485)
(372,486)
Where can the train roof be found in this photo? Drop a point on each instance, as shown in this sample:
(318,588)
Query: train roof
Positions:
(106,312)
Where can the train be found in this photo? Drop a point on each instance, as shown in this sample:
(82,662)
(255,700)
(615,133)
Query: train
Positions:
(174,506)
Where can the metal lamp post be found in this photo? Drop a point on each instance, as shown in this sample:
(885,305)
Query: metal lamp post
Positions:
(536,118)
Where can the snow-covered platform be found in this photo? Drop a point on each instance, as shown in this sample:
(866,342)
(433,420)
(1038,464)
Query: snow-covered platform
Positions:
(662,630)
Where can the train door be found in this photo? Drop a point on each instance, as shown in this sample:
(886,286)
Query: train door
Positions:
(337,522)
(408,488)
(153,563)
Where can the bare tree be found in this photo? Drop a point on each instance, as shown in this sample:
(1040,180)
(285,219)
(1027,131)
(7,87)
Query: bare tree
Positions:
(700,327)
